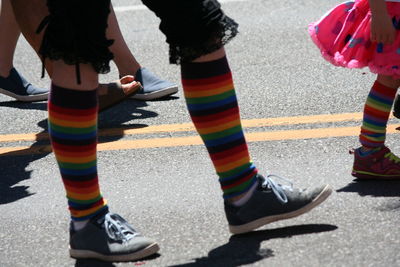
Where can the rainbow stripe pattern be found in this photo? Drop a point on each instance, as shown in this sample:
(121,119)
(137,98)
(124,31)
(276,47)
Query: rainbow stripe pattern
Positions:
(376,115)
(213,107)
(73,134)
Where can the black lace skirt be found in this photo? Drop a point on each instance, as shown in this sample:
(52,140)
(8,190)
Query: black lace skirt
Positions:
(75,30)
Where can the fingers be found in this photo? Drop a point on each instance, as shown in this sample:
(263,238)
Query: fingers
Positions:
(127,79)
(128,84)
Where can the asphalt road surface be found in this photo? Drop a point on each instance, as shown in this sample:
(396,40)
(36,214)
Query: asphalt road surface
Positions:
(301,116)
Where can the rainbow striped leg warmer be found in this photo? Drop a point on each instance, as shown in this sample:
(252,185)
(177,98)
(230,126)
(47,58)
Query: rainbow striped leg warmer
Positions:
(213,108)
(376,115)
(73,134)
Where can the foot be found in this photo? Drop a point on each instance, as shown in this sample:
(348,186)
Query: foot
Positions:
(153,87)
(272,202)
(16,86)
(109,237)
(113,93)
(396,107)
(379,164)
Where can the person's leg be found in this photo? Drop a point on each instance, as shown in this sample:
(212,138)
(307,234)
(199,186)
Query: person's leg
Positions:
(73,131)
(376,112)
(213,107)
(123,58)
(153,86)
(373,159)
(73,109)
(12,83)
(196,33)
(9,34)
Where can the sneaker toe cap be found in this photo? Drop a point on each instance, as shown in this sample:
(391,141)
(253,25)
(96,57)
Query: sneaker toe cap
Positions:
(33,90)
(137,243)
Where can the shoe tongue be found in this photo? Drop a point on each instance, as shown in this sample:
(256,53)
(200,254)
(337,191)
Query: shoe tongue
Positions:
(98,219)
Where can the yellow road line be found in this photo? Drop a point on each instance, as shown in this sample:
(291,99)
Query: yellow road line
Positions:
(195,140)
(189,127)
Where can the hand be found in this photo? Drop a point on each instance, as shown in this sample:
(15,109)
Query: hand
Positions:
(382,29)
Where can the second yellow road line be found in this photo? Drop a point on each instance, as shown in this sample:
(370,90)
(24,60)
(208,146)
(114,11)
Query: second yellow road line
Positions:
(195,140)
(324,118)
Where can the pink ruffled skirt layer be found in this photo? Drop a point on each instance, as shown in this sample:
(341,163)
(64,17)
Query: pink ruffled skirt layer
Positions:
(343,36)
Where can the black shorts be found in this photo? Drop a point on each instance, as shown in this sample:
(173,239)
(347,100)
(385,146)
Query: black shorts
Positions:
(76,33)
(76,30)
(192,27)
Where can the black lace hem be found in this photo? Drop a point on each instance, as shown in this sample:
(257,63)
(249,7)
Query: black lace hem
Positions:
(219,34)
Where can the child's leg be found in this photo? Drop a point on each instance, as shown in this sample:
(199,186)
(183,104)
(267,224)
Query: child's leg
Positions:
(376,112)
(373,160)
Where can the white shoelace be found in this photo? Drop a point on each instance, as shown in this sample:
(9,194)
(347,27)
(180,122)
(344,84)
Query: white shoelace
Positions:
(278,189)
(117,228)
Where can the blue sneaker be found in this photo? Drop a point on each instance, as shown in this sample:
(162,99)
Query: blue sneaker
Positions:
(272,202)
(16,86)
(153,87)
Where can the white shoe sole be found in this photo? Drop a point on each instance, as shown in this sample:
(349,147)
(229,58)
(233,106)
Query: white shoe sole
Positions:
(157,94)
(88,254)
(25,98)
(248,227)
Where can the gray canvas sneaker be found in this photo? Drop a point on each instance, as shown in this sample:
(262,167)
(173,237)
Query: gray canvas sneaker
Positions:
(16,86)
(272,202)
(153,87)
(110,238)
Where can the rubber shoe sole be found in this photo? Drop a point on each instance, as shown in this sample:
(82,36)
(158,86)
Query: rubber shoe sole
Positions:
(87,254)
(373,176)
(25,98)
(248,227)
(156,94)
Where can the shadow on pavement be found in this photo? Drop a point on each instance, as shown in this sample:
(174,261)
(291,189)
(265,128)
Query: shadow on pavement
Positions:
(13,164)
(165,98)
(125,112)
(93,263)
(376,188)
(98,263)
(13,168)
(25,105)
(245,249)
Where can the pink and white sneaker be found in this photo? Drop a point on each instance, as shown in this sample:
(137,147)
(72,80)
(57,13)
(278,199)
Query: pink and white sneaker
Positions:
(380,164)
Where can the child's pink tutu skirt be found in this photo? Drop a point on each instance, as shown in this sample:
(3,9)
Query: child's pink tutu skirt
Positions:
(343,36)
